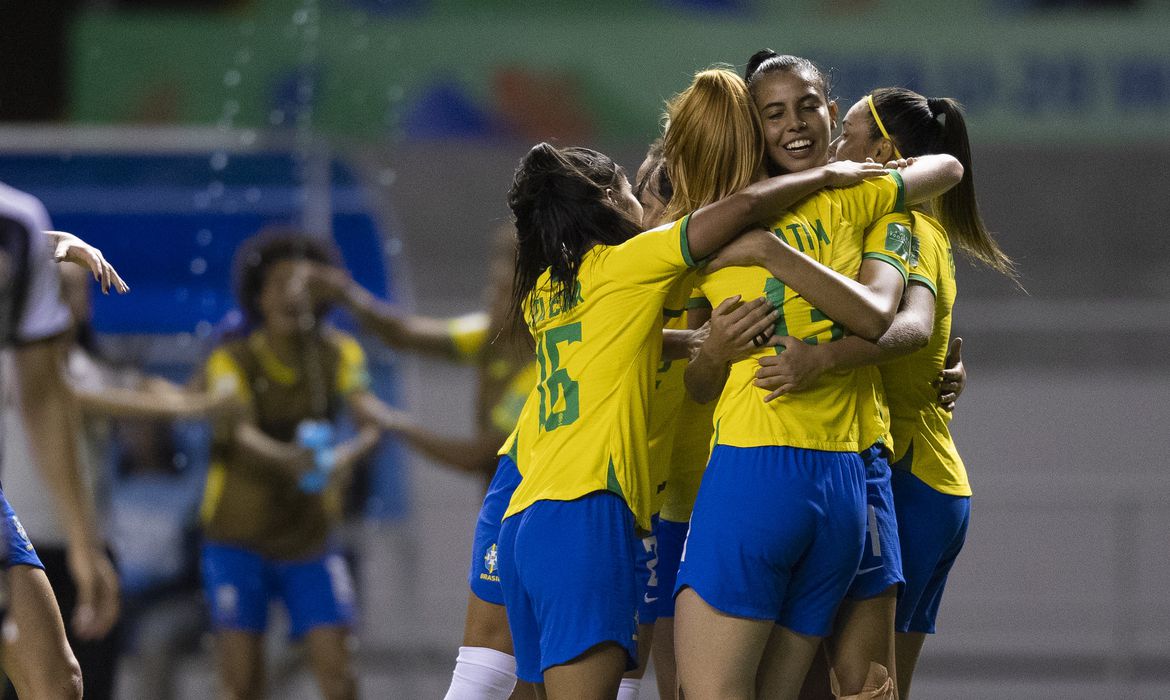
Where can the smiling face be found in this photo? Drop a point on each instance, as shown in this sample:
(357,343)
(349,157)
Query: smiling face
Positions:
(797,119)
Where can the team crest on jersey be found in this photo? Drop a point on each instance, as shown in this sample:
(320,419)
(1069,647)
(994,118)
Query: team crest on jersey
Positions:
(24,541)
(491,559)
(898,241)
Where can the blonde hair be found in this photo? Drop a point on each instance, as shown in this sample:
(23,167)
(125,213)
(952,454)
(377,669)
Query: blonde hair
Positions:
(714,144)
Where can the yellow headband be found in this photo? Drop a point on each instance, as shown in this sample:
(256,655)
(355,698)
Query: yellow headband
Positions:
(882,127)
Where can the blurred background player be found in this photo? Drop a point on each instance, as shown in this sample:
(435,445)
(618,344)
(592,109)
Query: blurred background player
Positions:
(277,478)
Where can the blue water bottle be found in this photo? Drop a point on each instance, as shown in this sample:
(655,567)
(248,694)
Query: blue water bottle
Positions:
(317,436)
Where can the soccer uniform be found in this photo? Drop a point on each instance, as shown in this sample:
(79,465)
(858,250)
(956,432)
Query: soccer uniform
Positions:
(779,522)
(888,240)
(265,537)
(567,544)
(931,491)
(667,407)
(31,310)
(688,459)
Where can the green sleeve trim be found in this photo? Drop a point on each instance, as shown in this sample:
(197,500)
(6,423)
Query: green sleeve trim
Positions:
(673,313)
(925,281)
(683,243)
(900,200)
(698,303)
(898,264)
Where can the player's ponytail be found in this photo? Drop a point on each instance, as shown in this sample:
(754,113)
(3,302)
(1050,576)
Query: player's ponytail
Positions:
(714,145)
(754,62)
(562,208)
(920,126)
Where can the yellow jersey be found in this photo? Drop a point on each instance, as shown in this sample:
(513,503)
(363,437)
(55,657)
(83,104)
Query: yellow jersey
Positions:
(691,448)
(825,416)
(887,240)
(920,425)
(598,358)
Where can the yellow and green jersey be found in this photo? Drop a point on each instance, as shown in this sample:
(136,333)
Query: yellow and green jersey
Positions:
(258,507)
(887,240)
(598,357)
(667,398)
(919,423)
(691,447)
(825,416)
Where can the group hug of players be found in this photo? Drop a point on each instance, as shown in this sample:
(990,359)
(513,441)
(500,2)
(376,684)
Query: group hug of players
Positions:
(732,447)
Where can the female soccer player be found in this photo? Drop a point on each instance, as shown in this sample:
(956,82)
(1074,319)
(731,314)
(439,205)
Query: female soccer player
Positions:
(793,97)
(274,490)
(930,487)
(591,291)
(801,454)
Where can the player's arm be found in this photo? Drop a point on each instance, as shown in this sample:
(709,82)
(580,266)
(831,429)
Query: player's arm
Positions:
(865,309)
(156,398)
(681,343)
(393,326)
(799,366)
(346,455)
(736,330)
(69,248)
(475,454)
(52,426)
(927,177)
(709,228)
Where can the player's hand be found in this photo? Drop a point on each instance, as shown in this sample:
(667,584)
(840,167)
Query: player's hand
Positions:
(900,163)
(843,173)
(98,601)
(736,330)
(69,248)
(953,378)
(327,283)
(752,248)
(795,369)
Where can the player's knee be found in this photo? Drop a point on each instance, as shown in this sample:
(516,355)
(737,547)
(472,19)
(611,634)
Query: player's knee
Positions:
(878,685)
(65,682)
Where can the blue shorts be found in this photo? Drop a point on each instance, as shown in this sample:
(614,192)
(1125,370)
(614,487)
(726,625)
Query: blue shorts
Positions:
(671,538)
(881,561)
(484,574)
(567,569)
(239,584)
(18,550)
(932,527)
(776,534)
(646,570)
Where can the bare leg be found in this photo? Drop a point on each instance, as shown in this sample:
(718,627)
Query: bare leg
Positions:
(663,653)
(908,646)
(645,644)
(785,664)
(864,633)
(34,651)
(240,658)
(329,656)
(816,680)
(718,654)
(594,675)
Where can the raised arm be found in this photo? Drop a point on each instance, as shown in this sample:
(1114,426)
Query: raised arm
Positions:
(927,177)
(393,326)
(714,225)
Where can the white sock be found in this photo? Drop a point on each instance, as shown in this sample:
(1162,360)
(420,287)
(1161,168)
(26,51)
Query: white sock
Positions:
(482,674)
(629,688)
